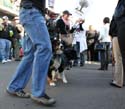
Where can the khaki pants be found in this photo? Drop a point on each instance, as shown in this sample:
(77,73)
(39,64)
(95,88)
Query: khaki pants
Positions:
(118,73)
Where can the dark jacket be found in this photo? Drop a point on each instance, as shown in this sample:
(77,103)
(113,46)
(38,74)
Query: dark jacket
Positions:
(120,10)
(113,28)
(61,27)
(39,4)
(8,32)
(92,37)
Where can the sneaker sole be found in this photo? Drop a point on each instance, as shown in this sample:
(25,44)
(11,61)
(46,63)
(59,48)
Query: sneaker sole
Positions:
(40,103)
(14,94)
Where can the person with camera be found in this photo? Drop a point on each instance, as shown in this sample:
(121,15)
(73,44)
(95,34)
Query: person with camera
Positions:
(79,42)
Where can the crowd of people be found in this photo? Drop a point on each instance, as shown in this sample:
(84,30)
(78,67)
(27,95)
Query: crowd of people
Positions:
(82,42)
(12,32)
(78,44)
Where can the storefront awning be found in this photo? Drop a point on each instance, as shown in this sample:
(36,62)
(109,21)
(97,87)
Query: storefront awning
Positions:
(8,11)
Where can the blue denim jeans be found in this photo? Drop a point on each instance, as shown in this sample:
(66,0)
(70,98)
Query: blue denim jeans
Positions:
(105,56)
(5,46)
(37,54)
(77,49)
(80,56)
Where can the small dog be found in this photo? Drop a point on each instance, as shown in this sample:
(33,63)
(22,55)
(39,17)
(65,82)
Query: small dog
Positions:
(57,64)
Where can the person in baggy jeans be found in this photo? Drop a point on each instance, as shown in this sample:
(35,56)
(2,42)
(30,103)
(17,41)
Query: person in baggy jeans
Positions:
(37,56)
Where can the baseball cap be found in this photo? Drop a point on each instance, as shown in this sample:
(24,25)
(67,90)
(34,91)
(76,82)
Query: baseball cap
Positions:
(66,12)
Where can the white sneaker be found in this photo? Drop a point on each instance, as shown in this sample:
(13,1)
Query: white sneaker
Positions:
(64,78)
(8,60)
(65,81)
(4,61)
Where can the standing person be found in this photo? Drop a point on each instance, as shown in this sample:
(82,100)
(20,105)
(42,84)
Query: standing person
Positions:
(118,72)
(63,28)
(119,17)
(80,44)
(10,33)
(91,35)
(37,54)
(1,29)
(18,30)
(6,35)
(105,39)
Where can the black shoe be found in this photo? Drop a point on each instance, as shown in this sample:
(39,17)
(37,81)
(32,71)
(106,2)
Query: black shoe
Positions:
(114,85)
(81,64)
(101,69)
(45,100)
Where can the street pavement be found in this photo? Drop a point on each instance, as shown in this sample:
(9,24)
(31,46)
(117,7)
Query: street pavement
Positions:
(88,88)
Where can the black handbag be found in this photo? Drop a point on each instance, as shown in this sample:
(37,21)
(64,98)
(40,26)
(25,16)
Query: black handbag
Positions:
(100,46)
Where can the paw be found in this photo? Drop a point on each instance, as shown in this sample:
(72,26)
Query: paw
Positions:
(52,84)
(59,76)
(65,81)
(55,80)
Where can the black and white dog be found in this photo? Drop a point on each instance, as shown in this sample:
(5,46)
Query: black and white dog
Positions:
(62,55)
(57,64)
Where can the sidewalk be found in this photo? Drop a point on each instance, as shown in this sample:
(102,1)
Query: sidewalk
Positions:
(88,88)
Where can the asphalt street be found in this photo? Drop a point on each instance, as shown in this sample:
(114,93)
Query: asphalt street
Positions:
(88,88)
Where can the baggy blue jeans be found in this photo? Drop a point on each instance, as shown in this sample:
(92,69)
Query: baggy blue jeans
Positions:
(37,54)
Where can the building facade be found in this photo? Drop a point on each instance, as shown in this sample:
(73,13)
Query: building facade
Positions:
(9,8)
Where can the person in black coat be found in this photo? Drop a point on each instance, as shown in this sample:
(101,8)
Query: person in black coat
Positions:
(119,16)
(63,28)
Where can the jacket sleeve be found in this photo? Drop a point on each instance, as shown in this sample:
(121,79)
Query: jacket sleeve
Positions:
(113,28)
(119,10)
